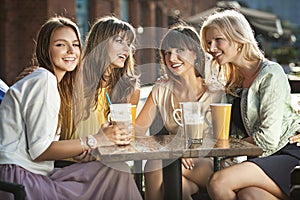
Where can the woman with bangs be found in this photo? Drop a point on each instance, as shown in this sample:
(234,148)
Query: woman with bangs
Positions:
(108,67)
(183,60)
(261,112)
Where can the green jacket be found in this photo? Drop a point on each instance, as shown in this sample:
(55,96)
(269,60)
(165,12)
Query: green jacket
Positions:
(266,109)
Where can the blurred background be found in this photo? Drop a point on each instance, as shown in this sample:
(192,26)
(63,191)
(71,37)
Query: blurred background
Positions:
(275,22)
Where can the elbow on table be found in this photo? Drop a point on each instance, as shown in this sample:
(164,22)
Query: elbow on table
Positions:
(266,145)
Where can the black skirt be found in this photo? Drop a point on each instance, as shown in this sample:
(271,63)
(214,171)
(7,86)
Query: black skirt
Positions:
(279,165)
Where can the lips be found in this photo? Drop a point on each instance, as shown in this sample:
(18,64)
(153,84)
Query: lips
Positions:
(123,56)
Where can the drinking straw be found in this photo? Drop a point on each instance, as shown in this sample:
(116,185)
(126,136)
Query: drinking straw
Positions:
(108,99)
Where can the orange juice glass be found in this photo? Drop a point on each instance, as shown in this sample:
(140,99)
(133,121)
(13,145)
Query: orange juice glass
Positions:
(133,116)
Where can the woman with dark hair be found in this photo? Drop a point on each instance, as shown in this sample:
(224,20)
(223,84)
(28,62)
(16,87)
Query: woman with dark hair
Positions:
(183,60)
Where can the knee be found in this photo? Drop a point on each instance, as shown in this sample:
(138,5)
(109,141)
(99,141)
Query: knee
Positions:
(216,183)
(245,195)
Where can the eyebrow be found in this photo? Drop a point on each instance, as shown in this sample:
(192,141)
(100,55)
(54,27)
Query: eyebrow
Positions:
(64,40)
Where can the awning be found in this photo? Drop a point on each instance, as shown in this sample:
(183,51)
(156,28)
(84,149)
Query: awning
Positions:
(262,22)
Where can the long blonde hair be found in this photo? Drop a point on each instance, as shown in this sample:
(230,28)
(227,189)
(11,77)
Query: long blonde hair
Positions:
(235,28)
(42,58)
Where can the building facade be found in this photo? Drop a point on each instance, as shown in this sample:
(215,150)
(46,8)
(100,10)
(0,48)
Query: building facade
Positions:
(20,21)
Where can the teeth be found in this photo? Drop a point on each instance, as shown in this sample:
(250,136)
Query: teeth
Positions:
(176,65)
(217,55)
(69,59)
(122,56)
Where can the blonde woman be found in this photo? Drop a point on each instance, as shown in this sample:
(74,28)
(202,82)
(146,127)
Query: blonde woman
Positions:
(262,114)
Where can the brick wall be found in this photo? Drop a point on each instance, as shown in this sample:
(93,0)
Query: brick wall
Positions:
(20,21)
(19,24)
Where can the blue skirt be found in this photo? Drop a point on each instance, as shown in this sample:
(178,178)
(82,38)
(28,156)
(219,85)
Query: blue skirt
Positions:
(279,165)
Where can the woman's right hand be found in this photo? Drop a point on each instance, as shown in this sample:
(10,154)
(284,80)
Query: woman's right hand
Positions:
(188,163)
(113,133)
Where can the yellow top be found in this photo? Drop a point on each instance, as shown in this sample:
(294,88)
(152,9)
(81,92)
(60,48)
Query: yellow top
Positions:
(97,117)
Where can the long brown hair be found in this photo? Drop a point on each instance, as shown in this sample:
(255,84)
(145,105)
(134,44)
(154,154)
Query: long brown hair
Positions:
(121,82)
(42,58)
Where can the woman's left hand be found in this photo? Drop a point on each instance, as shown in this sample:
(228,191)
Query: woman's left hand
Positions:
(188,163)
(85,156)
(295,139)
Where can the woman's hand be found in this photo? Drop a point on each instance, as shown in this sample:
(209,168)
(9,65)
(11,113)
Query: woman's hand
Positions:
(188,163)
(295,139)
(112,132)
(85,156)
(25,72)
(162,79)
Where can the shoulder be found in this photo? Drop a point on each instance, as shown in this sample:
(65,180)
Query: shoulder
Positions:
(41,82)
(163,87)
(161,91)
(271,71)
(43,75)
(271,67)
(37,78)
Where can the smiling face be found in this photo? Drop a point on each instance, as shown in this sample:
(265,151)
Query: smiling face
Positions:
(222,50)
(119,50)
(64,51)
(179,60)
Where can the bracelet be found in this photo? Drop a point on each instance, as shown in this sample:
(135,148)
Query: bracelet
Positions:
(82,144)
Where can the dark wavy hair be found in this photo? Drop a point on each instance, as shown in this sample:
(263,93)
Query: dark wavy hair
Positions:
(181,35)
